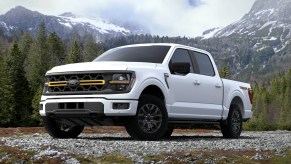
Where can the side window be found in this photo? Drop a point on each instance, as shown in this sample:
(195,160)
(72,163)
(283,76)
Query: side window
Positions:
(180,56)
(204,64)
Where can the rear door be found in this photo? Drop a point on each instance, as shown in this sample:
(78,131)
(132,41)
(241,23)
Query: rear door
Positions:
(208,85)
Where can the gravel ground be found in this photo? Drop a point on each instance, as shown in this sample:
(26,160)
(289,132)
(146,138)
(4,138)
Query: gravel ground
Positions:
(101,144)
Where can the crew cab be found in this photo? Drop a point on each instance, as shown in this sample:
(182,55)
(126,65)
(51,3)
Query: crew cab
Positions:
(150,89)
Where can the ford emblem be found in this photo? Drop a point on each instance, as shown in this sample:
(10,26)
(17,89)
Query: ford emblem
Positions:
(73,83)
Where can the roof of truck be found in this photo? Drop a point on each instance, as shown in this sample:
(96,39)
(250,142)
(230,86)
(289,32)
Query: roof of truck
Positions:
(166,44)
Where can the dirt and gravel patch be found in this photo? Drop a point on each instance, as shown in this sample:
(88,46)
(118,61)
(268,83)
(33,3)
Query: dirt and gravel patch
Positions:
(112,144)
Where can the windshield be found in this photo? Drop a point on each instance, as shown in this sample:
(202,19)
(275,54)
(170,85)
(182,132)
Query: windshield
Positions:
(149,54)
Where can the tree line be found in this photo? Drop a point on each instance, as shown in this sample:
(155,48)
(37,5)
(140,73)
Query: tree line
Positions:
(272,104)
(25,60)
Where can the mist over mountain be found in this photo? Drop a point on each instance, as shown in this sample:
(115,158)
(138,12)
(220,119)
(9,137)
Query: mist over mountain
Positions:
(260,42)
(65,25)
(267,18)
(257,45)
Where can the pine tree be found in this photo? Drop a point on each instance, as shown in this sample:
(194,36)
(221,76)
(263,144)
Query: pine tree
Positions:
(35,116)
(90,49)
(224,73)
(285,113)
(262,109)
(75,54)
(20,88)
(39,63)
(25,46)
(6,98)
(38,60)
(56,50)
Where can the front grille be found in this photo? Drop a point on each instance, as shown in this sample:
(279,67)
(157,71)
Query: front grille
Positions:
(75,82)
(105,82)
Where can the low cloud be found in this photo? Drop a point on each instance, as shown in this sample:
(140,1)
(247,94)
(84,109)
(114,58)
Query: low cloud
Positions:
(163,17)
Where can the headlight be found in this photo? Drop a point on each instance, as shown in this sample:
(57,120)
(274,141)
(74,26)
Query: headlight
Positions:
(120,77)
(120,82)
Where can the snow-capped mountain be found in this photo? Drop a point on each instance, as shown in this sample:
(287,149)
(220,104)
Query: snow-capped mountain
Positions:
(209,33)
(65,25)
(258,44)
(70,20)
(267,18)
(268,21)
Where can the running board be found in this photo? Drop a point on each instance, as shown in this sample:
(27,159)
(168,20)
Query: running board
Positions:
(190,124)
(192,121)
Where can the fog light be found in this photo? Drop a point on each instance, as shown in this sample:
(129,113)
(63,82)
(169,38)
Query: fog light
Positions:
(120,105)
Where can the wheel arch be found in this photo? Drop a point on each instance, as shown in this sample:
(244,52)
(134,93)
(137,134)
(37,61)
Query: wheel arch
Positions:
(235,98)
(237,101)
(154,87)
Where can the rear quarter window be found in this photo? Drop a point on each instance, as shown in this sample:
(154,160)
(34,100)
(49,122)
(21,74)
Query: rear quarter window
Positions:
(204,63)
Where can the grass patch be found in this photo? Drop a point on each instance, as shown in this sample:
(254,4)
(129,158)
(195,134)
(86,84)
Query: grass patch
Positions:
(14,154)
(4,132)
(10,154)
(219,156)
(115,157)
(283,160)
(105,159)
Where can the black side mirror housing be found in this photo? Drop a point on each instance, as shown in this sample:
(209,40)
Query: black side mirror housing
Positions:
(180,68)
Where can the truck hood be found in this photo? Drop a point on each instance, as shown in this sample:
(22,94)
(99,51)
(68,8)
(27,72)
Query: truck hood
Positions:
(100,66)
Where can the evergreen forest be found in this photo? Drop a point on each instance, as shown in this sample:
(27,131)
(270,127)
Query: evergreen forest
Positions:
(24,60)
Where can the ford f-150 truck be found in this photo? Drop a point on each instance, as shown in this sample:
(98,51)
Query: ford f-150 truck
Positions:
(150,89)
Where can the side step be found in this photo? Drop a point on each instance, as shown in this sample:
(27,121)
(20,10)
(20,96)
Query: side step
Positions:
(193,123)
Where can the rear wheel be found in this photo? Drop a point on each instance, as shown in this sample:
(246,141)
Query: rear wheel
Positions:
(60,130)
(150,121)
(233,126)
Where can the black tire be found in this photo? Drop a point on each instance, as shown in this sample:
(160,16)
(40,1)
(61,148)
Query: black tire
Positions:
(168,132)
(60,130)
(150,121)
(233,126)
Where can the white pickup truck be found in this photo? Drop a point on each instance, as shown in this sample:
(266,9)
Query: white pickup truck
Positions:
(150,89)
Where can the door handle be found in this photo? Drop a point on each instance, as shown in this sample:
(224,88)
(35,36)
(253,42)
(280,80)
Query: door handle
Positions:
(217,85)
(196,82)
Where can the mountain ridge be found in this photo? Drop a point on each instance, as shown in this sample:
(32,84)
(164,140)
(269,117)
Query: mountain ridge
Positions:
(256,45)
(259,44)
(65,25)
(266,18)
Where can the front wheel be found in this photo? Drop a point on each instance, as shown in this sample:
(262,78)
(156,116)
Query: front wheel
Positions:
(60,130)
(168,132)
(150,121)
(233,127)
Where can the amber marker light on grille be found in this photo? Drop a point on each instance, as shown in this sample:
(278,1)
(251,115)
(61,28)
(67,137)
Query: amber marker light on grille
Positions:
(57,84)
(119,82)
(92,82)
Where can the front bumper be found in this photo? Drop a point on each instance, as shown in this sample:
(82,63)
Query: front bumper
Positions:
(81,107)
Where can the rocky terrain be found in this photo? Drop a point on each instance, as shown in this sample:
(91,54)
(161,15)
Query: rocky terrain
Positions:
(115,145)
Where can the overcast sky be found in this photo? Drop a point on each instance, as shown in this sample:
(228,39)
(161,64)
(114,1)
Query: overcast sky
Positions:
(163,17)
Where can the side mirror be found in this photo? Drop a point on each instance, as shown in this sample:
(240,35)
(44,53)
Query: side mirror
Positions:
(180,68)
